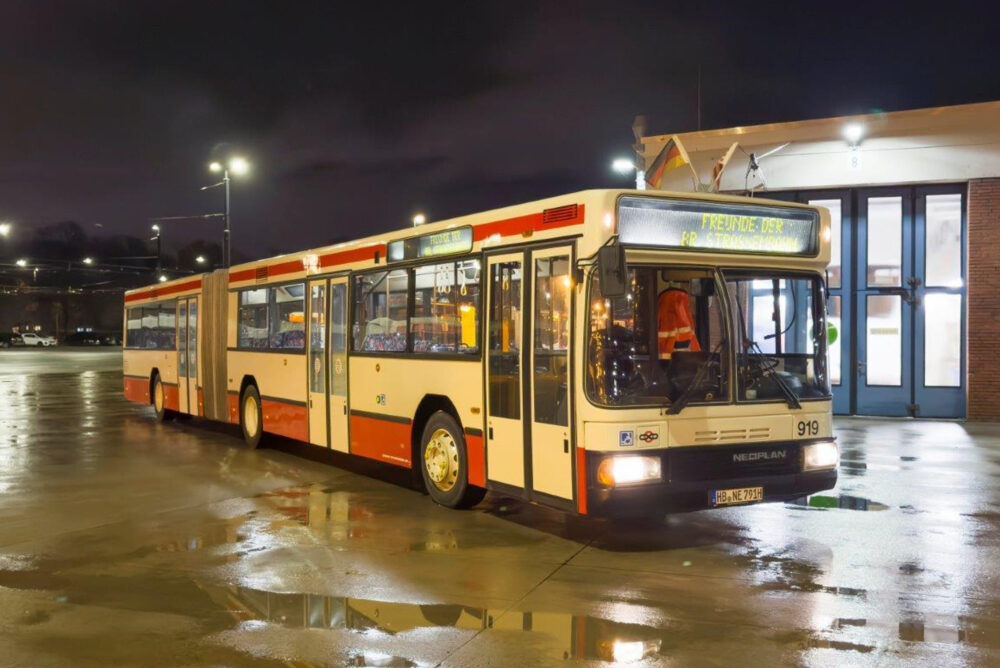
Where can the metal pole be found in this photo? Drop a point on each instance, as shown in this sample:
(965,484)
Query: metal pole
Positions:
(226,236)
(159,255)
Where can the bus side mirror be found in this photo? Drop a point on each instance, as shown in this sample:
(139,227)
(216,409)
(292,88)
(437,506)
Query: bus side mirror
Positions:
(611,271)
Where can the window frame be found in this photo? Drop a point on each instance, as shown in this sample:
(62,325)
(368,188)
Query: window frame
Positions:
(267,304)
(410,269)
(158,305)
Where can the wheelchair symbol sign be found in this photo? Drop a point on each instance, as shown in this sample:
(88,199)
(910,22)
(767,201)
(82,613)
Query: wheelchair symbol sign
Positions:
(626,438)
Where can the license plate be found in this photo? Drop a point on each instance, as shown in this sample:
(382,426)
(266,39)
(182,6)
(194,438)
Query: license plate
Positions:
(729,497)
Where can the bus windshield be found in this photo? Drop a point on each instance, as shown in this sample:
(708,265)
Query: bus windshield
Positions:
(781,326)
(666,342)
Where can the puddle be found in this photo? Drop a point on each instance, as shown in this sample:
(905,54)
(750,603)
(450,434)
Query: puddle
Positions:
(843,502)
(567,636)
(932,628)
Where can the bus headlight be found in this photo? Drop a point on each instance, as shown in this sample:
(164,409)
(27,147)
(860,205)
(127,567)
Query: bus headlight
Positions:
(822,455)
(628,470)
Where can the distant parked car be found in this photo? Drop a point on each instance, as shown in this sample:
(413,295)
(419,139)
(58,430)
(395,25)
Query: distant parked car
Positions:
(32,339)
(10,340)
(83,339)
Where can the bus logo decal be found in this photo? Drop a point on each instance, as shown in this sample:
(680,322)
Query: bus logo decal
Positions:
(648,436)
(626,438)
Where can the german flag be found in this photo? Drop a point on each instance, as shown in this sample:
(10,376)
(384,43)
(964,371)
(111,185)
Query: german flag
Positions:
(671,157)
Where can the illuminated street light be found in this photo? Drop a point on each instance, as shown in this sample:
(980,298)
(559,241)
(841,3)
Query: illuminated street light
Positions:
(200,259)
(622,165)
(88,260)
(419,219)
(22,263)
(238,166)
(163,279)
(5,229)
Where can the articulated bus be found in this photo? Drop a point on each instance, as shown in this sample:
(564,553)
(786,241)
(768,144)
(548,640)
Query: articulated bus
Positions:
(608,352)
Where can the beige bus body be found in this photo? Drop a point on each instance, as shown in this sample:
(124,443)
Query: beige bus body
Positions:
(389,397)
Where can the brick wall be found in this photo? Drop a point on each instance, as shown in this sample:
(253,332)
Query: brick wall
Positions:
(984,300)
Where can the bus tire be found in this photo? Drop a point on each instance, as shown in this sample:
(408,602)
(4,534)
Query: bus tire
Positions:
(159,401)
(444,463)
(251,417)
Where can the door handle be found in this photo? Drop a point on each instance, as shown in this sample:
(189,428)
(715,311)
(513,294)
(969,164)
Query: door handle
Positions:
(491,433)
(566,446)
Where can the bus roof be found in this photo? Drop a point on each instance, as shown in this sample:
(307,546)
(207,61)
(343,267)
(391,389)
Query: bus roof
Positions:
(549,217)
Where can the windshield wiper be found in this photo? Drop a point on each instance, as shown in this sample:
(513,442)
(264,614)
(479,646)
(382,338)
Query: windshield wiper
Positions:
(699,377)
(767,366)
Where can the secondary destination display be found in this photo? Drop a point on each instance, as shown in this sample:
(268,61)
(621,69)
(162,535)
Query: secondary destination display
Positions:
(448,242)
(714,226)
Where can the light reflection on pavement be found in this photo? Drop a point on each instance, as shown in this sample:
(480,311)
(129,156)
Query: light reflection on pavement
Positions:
(124,542)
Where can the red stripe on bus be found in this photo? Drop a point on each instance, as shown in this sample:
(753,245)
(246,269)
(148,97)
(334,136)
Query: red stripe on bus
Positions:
(233,400)
(509,227)
(477,460)
(285,419)
(161,291)
(581,481)
(201,402)
(171,397)
(353,255)
(137,390)
(384,440)
(242,275)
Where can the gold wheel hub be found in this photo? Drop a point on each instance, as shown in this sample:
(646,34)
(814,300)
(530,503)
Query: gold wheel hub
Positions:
(441,460)
(158,396)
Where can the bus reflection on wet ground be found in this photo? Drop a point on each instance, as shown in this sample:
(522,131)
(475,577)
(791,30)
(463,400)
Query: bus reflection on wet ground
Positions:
(131,543)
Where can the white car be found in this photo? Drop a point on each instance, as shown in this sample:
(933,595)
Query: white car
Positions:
(31,339)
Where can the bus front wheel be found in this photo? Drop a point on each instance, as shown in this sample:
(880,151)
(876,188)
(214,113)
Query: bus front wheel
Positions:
(251,417)
(444,463)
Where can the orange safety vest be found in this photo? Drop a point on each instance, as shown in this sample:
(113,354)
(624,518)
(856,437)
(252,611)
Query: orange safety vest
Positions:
(675,323)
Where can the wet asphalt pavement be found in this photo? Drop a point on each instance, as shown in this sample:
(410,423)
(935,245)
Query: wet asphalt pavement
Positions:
(128,543)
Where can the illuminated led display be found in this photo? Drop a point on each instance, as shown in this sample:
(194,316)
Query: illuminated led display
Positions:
(715,226)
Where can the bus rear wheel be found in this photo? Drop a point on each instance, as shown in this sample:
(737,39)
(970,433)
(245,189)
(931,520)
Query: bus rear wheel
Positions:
(159,401)
(444,463)
(251,417)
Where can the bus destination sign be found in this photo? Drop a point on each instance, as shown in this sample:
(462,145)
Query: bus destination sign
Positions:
(716,226)
(435,244)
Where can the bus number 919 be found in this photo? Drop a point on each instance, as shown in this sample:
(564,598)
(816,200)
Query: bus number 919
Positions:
(809,428)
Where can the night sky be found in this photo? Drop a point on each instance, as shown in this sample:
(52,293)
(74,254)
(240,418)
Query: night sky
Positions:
(357,115)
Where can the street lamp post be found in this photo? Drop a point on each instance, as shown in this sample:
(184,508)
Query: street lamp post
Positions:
(159,256)
(238,166)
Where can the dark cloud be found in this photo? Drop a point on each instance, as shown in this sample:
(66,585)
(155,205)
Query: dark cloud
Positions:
(356,115)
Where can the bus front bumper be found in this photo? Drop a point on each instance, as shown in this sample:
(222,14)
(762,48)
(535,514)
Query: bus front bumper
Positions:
(690,476)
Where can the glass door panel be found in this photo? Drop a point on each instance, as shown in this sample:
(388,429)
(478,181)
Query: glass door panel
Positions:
(885,242)
(182,366)
(551,456)
(505,437)
(338,366)
(884,303)
(316,336)
(939,293)
(884,340)
(193,396)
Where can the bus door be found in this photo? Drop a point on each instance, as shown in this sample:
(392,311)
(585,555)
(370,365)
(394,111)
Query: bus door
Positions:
(338,365)
(316,336)
(187,355)
(505,432)
(551,305)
